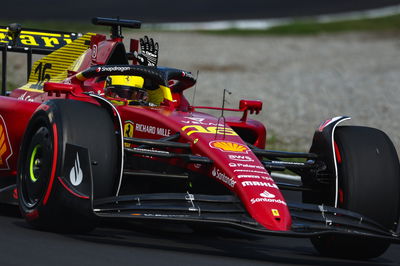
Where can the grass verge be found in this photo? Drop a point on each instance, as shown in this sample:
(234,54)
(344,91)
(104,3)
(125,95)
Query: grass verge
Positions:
(299,27)
(310,27)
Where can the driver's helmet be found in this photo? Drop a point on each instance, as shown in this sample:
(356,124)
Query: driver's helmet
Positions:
(126,87)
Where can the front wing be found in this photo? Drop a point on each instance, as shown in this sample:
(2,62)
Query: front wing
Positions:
(308,219)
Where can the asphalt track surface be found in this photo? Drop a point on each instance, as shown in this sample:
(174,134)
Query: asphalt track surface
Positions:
(158,245)
(179,10)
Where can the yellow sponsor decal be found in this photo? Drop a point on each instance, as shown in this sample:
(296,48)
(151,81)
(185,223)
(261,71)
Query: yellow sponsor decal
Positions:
(228,146)
(275,212)
(50,41)
(209,130)
(28,40)
(37,39)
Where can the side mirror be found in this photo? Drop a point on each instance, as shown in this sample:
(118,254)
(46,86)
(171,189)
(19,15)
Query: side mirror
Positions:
(58,88)
(249,105)
(252,106)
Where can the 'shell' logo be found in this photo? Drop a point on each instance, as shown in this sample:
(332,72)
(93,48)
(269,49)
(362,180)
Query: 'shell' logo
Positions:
(228,146)
(5,147)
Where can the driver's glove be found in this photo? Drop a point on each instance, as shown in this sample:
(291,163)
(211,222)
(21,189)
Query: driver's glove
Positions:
(148,52)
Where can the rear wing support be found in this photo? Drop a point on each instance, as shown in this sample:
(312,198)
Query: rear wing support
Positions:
(3,69)
(29,52)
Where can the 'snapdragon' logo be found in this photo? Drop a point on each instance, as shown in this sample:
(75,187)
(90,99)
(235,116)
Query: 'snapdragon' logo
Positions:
(5,147)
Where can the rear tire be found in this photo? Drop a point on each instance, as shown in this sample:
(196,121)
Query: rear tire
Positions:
(369,183)
(44,200)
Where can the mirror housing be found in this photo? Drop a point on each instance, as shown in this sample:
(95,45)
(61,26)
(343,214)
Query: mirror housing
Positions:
(254,106)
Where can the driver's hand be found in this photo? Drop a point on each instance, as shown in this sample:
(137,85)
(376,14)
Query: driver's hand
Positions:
(148,52)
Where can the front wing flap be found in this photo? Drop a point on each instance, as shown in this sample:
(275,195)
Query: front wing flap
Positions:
(308,219)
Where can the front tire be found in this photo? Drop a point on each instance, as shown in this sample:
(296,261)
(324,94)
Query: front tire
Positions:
(368,183)
(48,197)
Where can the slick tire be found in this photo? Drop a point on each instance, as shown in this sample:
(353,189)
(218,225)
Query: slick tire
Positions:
(369,184)
(47,199)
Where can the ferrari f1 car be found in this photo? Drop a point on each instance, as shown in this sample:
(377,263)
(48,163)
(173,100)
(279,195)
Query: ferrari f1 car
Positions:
(72,154)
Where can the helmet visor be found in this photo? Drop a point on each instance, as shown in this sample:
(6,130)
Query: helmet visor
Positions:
(129,93)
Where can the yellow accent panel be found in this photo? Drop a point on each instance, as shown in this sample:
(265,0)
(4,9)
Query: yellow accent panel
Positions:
(156,96)
(41,33)
(167,93)
(54,66)
(80,77)
(79,61)
(116,102)
(26,88)
(131,81)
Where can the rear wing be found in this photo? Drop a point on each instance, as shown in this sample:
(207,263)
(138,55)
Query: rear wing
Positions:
(13,38)
(67,47)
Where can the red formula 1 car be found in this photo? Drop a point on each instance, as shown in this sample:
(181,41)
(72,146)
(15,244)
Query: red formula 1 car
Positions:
(92,136)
